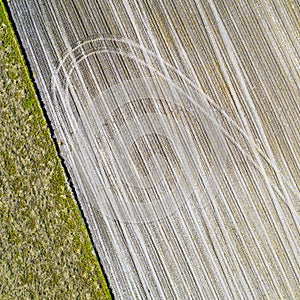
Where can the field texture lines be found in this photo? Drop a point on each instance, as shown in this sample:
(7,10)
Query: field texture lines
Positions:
(179,124)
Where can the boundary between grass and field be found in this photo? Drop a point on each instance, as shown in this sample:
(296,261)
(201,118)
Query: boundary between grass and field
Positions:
(36,103)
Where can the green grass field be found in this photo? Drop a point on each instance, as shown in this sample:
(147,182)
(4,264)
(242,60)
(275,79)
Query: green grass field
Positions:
(45,250)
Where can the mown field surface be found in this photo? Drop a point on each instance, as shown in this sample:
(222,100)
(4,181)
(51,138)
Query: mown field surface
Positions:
(179,124)
(45,251)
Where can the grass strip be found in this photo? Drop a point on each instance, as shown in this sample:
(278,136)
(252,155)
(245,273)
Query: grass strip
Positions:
(45,250)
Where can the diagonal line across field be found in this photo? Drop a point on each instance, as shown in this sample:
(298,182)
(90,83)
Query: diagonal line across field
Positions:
(45,250)
(179,124)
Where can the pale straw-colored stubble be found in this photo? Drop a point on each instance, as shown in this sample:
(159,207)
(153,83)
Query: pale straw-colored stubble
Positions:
(98,113)
(192,101)
(118,170)
(127,92)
